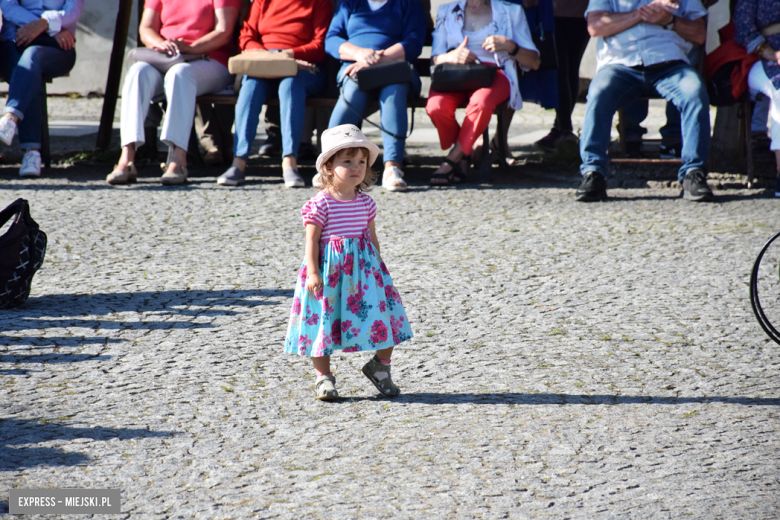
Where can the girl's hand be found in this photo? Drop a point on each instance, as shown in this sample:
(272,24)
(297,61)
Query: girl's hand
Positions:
(498,43)
(314,283)
(28,32)
(65,40)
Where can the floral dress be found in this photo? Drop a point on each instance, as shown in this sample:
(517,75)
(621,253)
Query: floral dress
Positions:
(358,308)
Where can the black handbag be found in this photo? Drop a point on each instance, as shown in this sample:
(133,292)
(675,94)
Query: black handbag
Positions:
(384,74)
(22,249)
(454,77)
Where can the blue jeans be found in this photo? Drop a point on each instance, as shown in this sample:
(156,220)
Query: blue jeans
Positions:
(392,109)
(25,71)
(616,85)
(292,106)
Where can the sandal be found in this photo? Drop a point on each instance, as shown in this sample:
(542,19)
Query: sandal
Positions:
(454,176)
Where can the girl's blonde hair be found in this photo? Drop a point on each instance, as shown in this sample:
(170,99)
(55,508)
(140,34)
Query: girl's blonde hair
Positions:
(327,176)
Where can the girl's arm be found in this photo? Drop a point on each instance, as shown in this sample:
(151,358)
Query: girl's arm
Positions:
(313,276)
(374,239)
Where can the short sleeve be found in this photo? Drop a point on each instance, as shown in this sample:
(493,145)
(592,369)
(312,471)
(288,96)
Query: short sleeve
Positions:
(314,213)
(154,5)
(371,207)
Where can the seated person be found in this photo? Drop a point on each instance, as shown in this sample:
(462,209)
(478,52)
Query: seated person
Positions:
(465,31)
(364,33)
(643,48)
(296,28)
(36,42)
(757,23)
(175,27)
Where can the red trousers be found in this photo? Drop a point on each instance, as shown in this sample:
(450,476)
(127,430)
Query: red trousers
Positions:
(481,104)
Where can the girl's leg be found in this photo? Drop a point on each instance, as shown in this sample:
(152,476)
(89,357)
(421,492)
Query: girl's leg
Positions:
(384,354)
(321,365)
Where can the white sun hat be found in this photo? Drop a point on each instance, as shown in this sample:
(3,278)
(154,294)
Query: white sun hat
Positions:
(345,136)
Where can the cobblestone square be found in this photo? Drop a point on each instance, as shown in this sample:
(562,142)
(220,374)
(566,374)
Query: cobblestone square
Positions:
(570,360)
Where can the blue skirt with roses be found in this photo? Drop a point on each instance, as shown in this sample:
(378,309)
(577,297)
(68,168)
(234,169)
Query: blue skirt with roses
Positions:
(358,309)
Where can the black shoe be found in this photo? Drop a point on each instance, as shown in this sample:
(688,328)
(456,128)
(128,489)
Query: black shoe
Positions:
(695,187)
(593,188)
(673,151)
(272,147)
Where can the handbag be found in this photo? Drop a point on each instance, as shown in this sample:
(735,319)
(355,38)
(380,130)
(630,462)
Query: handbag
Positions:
(262,63)
(160,60)
(455,77)
(384,74)
(22,249)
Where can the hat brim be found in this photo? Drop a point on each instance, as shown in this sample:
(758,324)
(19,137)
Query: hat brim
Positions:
(373,152)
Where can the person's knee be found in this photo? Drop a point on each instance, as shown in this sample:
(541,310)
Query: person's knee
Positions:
(180,76)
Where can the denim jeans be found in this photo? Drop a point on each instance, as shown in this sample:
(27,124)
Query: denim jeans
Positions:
(616,85)
(25,71)
(292,104)
(392,109)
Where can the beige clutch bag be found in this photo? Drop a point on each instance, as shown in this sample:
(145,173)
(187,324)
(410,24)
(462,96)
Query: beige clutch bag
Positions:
(263,64)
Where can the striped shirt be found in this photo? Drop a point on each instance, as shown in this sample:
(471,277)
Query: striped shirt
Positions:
(337,218)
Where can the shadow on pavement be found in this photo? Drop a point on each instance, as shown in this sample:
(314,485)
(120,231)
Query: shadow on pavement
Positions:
(14,432)
(566,399)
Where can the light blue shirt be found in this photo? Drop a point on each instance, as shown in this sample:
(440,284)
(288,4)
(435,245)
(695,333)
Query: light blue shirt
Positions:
(645,43)
(61,14)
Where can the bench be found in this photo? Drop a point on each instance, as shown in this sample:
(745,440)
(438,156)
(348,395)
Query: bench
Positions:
(324,105)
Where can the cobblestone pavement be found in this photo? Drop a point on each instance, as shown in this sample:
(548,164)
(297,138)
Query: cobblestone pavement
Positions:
(569,360)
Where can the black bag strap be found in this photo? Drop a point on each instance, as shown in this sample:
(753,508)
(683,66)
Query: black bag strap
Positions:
(385,130)
(20,208)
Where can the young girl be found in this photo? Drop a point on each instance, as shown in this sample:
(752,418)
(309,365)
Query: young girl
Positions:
(345,299)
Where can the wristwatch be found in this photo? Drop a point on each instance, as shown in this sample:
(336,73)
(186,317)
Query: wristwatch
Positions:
(670,25)
(517,49)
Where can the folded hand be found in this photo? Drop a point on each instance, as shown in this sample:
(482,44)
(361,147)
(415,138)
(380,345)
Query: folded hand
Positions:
(65,40)
(28,32)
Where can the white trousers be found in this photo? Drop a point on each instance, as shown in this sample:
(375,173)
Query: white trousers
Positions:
(181,85)
(759,82)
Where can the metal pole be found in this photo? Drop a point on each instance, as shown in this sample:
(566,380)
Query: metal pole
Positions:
(114,73)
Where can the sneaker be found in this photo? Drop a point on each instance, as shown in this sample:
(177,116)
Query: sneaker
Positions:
(593,188)
(549,142)
(293,179)
(695,186)
(325,388)
(174,178)
(316,181)
(232,177)
(671,151)
(123,176)
(393,179)
(272,147)
(31,164)
(7,130)
(379,374)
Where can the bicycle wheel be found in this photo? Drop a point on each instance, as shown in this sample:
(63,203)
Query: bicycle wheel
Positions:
(765,280)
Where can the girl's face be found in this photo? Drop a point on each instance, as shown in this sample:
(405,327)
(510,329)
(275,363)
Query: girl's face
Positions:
(348,171)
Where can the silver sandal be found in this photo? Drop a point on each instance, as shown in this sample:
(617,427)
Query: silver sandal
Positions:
(325,388)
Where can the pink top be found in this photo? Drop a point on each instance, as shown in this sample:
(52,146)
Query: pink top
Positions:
(337,218)
(191,20)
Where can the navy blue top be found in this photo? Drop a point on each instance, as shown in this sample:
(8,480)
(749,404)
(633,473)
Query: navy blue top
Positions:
(398,21)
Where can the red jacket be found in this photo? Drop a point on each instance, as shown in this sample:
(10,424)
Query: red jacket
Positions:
(299,25)
(728,51)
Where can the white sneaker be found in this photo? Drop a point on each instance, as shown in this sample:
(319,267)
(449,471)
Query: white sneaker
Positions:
(7,130)
(393,179)
(31,164)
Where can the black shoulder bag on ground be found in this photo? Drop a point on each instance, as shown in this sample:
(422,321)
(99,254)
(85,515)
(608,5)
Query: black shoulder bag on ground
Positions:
(455,77)
(378,76)
(22,249)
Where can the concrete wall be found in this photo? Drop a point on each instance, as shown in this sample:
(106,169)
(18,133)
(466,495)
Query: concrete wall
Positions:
(96,31)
